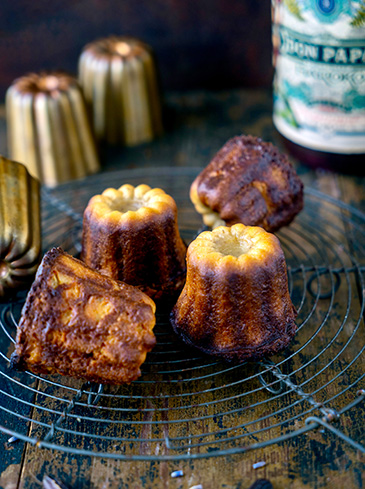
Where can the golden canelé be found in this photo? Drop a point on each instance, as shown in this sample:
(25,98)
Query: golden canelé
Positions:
(131,234)
(80,323)
(235,303)
(248,181)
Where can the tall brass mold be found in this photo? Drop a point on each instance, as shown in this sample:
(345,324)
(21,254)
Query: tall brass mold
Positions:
(119,79)
(48,127)
(20,226)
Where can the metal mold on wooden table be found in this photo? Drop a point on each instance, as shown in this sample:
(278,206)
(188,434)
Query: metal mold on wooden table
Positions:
(189,406)
(48,127)
(20,227)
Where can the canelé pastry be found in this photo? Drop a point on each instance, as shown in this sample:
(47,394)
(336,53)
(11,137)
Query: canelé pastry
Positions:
(48,127)
(119,80)
(20,226)
(131,234)
(80,323)
(248,181)
(235,303)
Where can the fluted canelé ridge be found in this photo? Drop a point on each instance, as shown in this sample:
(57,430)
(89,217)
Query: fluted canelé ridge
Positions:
(235,303)
(131,234)
(78,322)
(248,181)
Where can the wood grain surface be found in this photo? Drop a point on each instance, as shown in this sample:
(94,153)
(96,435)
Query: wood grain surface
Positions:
(198,124)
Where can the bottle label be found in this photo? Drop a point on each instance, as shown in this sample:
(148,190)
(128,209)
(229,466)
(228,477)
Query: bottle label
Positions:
(319,83)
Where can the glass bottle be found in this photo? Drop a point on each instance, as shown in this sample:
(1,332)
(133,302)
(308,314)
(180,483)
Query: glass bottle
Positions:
(319,82)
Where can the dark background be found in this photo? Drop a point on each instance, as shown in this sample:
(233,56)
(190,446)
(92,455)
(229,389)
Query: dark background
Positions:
(200,44)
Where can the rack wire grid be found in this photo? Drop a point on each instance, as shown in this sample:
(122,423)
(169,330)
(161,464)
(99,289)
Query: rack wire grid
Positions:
(186,405)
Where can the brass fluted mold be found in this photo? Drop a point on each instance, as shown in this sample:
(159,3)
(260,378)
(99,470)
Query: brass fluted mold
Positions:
(119,80)
(20,227)
(48,127)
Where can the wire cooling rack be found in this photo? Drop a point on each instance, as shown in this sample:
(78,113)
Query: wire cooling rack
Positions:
(186,405)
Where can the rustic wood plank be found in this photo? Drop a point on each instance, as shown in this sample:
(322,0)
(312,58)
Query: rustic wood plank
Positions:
(323,448)
(290,465)
(15,399)
(198,126)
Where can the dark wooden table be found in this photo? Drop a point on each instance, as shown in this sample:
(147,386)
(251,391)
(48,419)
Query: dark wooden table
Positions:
(197,125)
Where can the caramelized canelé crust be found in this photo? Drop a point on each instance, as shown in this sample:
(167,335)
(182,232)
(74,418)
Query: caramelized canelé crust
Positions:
(80,323)
(248,181)
(235,303)
(131,234)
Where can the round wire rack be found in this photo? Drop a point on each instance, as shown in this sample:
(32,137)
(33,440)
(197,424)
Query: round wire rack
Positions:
(186,405)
